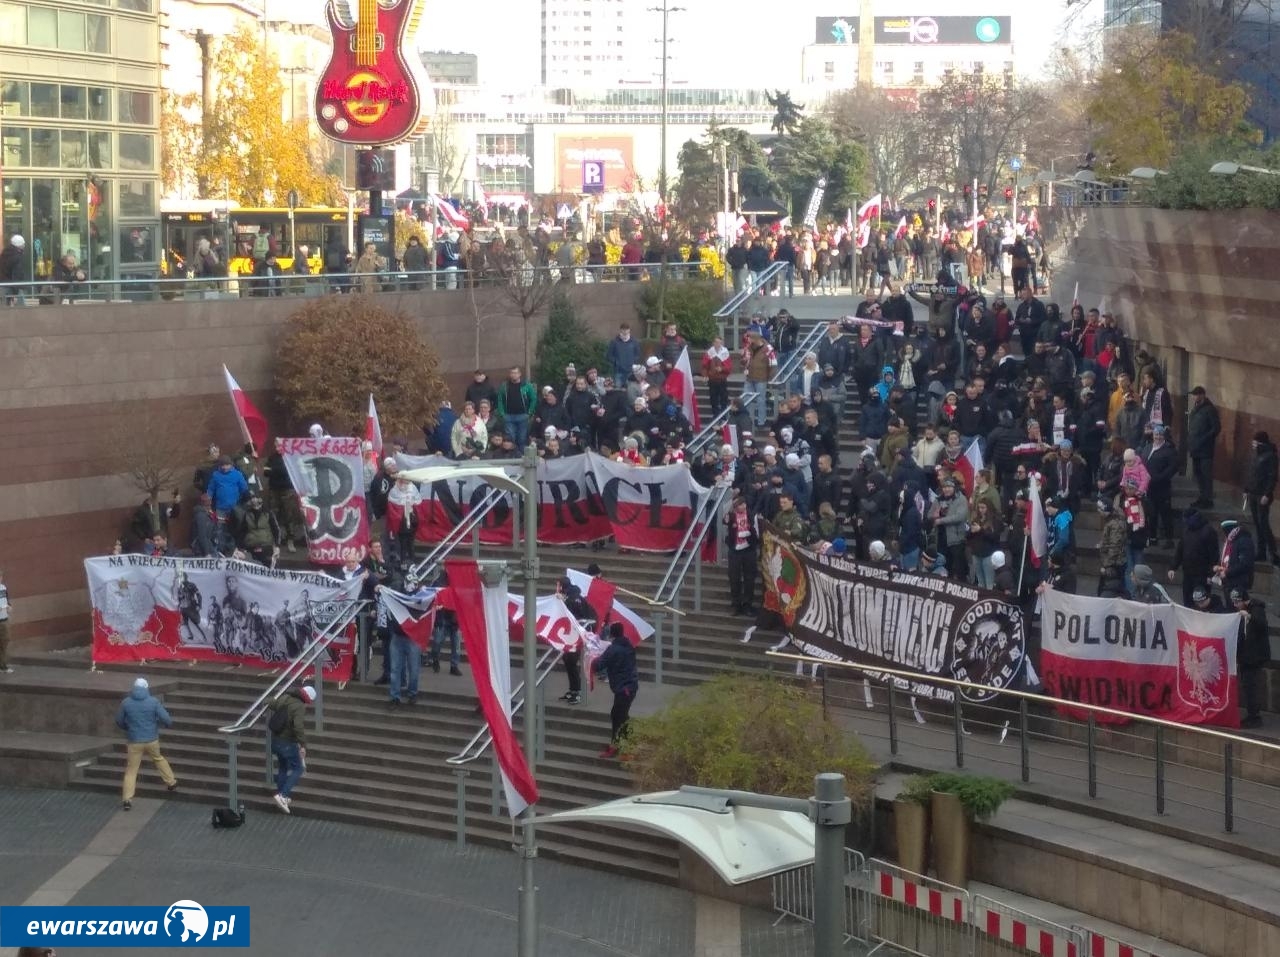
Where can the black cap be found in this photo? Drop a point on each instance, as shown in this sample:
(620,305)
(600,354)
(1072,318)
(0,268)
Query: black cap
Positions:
(615,630)
(1198,390)
(593,570)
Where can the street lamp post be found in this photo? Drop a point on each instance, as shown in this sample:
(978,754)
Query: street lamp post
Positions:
(1227,168)
(666,11)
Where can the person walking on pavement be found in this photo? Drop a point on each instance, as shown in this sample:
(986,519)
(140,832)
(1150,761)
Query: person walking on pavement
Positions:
(618,663)
(288,712)
(140,716)
(1253,654)
(1203,426)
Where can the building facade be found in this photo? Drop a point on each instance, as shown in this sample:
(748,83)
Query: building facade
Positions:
(79,133)
(451,69)
(598,43)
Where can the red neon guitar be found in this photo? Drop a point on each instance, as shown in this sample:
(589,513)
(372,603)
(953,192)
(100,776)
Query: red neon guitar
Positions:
(369,94)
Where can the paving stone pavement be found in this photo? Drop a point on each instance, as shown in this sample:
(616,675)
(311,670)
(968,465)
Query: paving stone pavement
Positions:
(319,887)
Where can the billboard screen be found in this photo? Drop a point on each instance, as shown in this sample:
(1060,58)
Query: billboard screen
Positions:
(919,30)
(616,152)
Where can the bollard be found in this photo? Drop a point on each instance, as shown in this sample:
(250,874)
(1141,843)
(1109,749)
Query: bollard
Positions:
(461,812)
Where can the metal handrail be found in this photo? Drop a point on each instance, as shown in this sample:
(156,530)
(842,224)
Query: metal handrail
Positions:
(752,286)
(480,741)
(298,667)
(425,570)
(691,545)
(712,428)
(782,375)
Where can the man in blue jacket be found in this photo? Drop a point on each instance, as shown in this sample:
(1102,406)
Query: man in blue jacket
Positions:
(140,717)
(227,486)
(619,663)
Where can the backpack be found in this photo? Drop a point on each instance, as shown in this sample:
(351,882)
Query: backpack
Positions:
(261,246)
(227,817)
(279,720)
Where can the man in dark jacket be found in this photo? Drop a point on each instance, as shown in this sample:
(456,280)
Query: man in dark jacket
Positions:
(1203,426)
(289,744)
(1031,313)
(140,717)
(1239,556)
(833,350)
(618,663)
(13,268)
(1260,488)
(1252,654)
(741,543)
(1196,554)
(480,389)
(1161,460)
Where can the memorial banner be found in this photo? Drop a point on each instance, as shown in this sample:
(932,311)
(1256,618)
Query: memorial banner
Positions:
(328,476)
(214,609)
(1162,661)
(872,614)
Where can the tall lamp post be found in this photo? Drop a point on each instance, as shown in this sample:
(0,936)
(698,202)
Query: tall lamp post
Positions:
(666,10)
(1226,168)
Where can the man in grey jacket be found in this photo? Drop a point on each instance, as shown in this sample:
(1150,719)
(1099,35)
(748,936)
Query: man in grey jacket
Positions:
(140,717)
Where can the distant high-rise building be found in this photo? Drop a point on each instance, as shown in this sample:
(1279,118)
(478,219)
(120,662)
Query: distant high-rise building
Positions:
(1126,13)
(451,69)
(594,44)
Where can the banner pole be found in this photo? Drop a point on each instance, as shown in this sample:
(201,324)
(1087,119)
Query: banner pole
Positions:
(1022,569)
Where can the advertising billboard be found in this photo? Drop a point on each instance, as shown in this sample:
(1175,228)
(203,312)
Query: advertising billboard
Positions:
(919,30)
(615,152)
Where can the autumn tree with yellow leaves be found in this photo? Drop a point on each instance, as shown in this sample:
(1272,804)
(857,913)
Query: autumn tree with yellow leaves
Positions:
(245,148)
(1156,98)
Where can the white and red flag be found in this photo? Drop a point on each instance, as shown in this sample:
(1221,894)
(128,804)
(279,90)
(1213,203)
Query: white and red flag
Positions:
(651,507)
(601,595)
(415,614)
(868,211)
(373,430)
(450,215)
(253,424)
(1037,527)
(483,620)
(553,624)
(969,464)
(902,228)
(679,386)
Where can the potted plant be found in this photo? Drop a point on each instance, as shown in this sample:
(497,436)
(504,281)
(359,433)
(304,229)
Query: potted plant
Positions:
(956,801)
(911,823)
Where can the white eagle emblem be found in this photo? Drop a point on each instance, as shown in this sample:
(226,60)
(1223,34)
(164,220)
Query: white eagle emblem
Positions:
(1201,676)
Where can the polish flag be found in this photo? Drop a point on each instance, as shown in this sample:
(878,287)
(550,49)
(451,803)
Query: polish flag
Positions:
(679,386)
(969,464)
(601,595)
(373,431)
(1075,296)
(483,621)
(729,435)
(1037,527)
(415,614)
(945,235)
(253,424)
(553,625)
(902,228)
(866,212)
(451,215)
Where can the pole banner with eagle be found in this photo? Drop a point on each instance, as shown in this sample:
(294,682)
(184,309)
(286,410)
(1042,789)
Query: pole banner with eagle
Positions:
(1160,661)
(873,614)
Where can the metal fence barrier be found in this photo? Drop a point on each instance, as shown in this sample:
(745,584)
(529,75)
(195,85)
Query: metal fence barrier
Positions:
(1001,930)
(917,914)
(793,891)
(1104,945)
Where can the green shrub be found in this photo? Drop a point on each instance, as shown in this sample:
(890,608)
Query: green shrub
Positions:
(981,796)
(745,733)
(916,789)
(690,304)
(567,339)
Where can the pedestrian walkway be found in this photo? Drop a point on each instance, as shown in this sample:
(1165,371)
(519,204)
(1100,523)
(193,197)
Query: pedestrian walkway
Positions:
(319,887)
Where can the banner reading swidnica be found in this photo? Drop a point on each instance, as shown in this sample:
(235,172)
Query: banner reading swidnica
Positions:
(871,614)
(1165,661)
(213,609)
(328,475)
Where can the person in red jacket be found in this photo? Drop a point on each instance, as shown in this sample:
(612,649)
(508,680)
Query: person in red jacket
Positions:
(717,366)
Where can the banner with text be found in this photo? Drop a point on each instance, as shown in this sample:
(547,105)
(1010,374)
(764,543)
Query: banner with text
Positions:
(213,609)
(328,475)
(873,614)
(1162,661)
(581,499)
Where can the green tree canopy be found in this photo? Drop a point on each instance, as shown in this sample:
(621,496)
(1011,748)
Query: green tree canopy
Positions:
(813,152)
(697,195)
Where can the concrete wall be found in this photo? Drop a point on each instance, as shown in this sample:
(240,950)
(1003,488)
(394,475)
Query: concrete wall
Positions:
(71,376)
(1201,292)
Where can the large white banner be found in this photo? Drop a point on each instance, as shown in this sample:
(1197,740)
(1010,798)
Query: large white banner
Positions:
(1164,661)
(212,609)
(328,475)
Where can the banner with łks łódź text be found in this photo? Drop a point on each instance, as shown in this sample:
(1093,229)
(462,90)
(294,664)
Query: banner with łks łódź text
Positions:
(328,476)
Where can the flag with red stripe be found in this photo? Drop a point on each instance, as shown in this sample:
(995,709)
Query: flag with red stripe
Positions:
(483,620)
(253,424)
(602,596)
(415,614)
(969,464)
(373,430)
(679,386)
(1037,527)
(866,213)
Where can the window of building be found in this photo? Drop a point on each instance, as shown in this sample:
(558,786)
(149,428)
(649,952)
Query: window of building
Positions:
(74,151)
(137,199)
(44,100)
(139,42)
(100,104)
(13,25)
(15,146)
(15,98)
(70,30)
(100,150)
(137,106)
(44,148)
(75,103)
(97,34)
(42,27)
(137,152)
(143,6)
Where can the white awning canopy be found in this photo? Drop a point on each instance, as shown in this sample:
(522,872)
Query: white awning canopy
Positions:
(741,844)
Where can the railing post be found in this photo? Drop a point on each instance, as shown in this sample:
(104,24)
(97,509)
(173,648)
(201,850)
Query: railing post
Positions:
(1228,786)
(893,716)
(364,632)
(268,765)
(675,632)
(319,702)
(1159,769)
(495,784)
(475,542)
(959,727)
(542,722)
(697,576)
(1025,746)
(460,815)
(658,616)
(233,771)
(1091,746)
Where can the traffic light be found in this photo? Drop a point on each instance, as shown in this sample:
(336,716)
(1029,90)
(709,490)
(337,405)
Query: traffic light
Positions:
(933,204)
(1008,193)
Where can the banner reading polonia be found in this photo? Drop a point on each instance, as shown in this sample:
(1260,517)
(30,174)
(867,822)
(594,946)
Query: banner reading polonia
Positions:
(328,475)
(1163,661)
(649,508)
(873,614)
(213,609)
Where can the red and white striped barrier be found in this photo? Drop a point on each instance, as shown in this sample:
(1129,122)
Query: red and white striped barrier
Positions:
(928,899)
(1100,946)
(1038,940)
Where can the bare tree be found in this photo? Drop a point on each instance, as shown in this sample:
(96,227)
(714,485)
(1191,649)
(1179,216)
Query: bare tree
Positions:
(528,291)
(447,151)
(889,130)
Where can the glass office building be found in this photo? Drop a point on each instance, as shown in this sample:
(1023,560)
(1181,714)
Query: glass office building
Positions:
(80,133)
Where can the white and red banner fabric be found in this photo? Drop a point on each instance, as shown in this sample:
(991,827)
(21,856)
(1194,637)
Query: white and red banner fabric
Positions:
(1162,661)
(328,476)
(214,609)
(581,499)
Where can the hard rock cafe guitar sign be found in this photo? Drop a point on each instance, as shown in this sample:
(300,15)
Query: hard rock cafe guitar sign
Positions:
(370,93)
